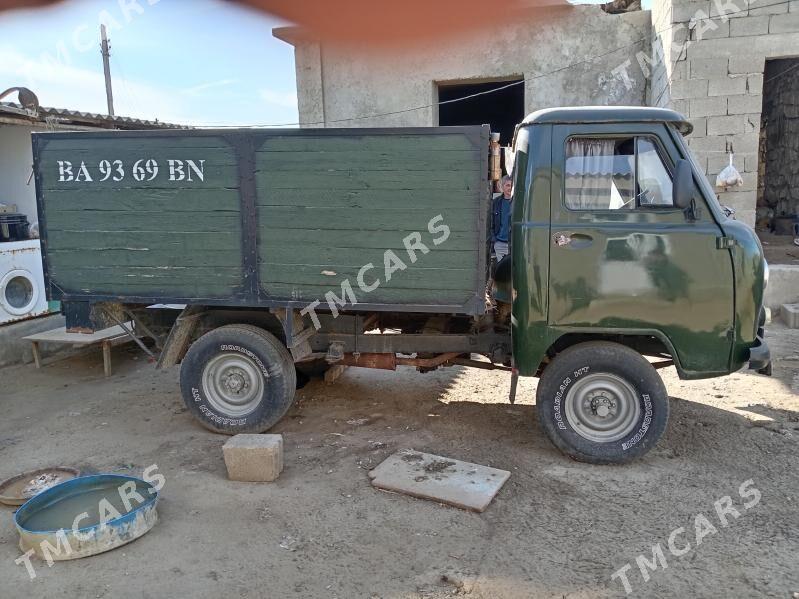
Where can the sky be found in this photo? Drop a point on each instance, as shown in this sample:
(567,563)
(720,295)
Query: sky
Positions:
(198,62)
(192,62)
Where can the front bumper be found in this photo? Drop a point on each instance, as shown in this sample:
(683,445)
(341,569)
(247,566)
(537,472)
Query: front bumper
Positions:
(760,357)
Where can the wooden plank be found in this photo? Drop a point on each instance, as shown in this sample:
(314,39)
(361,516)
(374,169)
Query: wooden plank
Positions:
(175,242)
(158,200)
(437,257)
(412,277)
(144,257)
(129,151)
(188,290)
(367,142)
(389,220)
(344,238)
(298,163)
(359,179)
(381,295)
(214,177)
(60,335)
(411,199)
(113,140)
(165,223)
(176,273)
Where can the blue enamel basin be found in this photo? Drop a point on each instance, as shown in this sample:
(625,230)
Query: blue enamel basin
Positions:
(86,515)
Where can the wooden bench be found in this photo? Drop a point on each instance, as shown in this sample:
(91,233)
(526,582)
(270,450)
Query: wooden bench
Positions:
(107,338)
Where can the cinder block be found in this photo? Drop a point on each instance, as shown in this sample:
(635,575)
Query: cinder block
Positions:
(745,143)
(769,7)
(700,127)
(254,458)
(746,64)
(744,104)
(754,83)
(685,12)
(689,88)
(715,143)
(725,125)
(705,68)
(679,70)
(729,9)
(727,86)
(752,163)
(784,23)
(680,106)
(790,315)
(708,107)
(708,29)
(749,26)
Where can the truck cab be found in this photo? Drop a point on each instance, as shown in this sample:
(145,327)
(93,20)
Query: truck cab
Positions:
(618,238)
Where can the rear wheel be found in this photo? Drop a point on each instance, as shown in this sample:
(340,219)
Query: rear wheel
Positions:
(238,379)
(602,403)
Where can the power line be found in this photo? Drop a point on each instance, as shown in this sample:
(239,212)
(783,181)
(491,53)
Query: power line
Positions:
(491,91)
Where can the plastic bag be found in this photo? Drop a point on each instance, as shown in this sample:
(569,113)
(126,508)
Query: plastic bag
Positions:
(729,176)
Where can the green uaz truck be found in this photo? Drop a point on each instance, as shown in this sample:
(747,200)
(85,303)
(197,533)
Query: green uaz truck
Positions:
(290,252)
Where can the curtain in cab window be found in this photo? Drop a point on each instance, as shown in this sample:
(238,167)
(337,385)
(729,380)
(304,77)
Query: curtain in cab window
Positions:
(599,173)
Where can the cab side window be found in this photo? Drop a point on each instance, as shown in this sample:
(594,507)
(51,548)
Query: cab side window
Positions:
(615,174)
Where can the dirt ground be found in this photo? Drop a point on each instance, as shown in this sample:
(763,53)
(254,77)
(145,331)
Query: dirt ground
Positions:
(557,529)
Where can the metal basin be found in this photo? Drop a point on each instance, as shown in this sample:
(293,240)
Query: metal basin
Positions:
(86,515)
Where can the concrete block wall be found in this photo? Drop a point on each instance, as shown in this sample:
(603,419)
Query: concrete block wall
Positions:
(714,56)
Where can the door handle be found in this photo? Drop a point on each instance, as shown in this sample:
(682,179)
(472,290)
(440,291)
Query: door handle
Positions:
(574,240)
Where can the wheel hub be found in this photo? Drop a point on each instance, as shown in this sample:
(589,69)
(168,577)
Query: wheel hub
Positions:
(233,384)
(602,407)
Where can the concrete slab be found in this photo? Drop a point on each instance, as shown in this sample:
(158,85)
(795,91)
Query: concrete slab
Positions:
(790,315)
(427,476)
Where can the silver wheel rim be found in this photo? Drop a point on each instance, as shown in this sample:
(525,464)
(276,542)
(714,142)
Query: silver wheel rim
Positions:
(233,384)
(602,407)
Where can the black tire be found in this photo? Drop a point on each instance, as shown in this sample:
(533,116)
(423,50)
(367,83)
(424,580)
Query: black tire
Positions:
(261,367)
(604,376)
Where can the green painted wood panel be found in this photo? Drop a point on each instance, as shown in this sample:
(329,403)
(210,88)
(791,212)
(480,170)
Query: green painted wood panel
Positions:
(328,205)
(122,220)
(158,231)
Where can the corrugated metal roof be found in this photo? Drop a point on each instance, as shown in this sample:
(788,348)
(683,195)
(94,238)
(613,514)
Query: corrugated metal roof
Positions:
(75,117)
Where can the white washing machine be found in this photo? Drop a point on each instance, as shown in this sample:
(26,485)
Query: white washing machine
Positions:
(22,293)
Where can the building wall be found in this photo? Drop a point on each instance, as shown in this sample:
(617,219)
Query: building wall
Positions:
(337,83)
(716,78)
(16,161)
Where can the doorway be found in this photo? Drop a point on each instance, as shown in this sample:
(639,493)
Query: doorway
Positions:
(778,180)
(502,109)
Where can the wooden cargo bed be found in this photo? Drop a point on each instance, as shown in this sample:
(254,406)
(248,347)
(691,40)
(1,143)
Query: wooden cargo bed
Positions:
(267,217)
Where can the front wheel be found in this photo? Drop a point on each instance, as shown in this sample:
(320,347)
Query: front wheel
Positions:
(238,379)
(602,403)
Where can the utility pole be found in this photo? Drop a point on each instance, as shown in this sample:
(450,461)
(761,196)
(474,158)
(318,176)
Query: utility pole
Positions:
(106,69)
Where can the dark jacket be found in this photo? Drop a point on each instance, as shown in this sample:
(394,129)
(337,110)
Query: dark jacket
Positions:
(496,217)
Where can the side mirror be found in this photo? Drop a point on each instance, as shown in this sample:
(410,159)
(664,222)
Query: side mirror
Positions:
(683,185)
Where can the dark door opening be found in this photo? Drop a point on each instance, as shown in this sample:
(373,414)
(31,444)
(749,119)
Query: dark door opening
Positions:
(778,180)
(502,109)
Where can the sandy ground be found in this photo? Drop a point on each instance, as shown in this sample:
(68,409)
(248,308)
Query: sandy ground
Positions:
(557,529)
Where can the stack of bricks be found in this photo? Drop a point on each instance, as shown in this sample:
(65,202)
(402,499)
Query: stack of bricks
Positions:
(714,56)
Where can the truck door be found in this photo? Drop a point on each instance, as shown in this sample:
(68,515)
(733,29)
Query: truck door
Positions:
(623,258)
